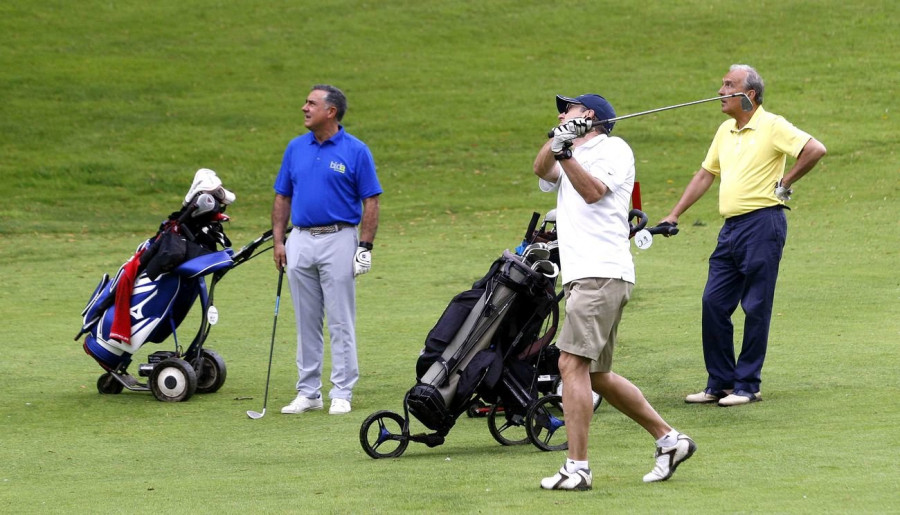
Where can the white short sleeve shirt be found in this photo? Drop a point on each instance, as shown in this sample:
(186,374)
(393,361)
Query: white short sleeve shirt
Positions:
(593,238)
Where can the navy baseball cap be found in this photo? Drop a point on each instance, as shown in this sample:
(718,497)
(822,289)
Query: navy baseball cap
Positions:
(603,110)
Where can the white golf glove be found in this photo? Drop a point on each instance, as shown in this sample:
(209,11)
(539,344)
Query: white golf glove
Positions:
(580,126)
(362,262)
(562,138)
(783,194)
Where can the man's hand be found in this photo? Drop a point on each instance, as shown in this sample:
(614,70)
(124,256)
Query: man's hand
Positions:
(562,138)
(782,193)
(362,262)
(280,256)
(579,126)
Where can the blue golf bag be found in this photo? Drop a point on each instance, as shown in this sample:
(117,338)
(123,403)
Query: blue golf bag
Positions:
(166,276)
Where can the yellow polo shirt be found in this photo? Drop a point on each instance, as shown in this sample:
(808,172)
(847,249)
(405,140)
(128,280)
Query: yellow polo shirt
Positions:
(751,160)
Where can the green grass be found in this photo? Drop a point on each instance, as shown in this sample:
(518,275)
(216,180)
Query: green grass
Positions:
(109,108)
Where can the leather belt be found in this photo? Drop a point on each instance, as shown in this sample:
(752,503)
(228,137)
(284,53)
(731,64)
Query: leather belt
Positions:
(325,229)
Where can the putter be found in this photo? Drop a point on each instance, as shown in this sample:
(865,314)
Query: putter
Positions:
(746,106)
(256,414)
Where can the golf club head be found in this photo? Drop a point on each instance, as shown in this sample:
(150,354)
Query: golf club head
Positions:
(537,252)
(546,267)
(205,204)
(255,415)
(746,104)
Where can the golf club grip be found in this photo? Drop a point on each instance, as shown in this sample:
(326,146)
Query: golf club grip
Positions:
(666,230)
(278,292)
(594,123)
(529,234)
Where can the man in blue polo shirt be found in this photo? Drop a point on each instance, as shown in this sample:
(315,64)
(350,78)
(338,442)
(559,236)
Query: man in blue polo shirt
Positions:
(327,185)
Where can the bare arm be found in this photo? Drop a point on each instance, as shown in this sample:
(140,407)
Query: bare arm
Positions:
(809,156)
(281,212)
(695,189)
(544,164)
(589,187)
(369,224)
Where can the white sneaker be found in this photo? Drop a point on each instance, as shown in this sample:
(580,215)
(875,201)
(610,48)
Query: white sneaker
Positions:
(339,407)
(707,396)
(668,459)
(301,404)
(740,397)
(562,480)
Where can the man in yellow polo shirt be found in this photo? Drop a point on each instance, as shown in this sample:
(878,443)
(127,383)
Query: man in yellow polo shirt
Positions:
(748,154)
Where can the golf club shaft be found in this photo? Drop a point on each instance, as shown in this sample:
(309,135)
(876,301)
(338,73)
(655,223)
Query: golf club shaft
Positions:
(272,345)
(745,102)
(746,106)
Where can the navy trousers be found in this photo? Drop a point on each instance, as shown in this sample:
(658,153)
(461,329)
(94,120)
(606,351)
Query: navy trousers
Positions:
(742,270)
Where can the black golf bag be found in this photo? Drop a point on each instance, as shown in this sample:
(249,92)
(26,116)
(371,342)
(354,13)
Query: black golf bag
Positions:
(488,347)
(486,344)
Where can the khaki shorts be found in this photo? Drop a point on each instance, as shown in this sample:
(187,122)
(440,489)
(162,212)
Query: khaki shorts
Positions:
(593,311)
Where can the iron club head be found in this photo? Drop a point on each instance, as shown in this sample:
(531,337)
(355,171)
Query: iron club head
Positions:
(746,104)
(255,415)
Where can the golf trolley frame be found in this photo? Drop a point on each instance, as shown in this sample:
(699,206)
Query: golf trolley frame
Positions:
(174,376)
(386,434)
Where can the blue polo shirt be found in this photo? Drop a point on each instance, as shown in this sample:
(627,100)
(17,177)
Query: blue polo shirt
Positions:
(327,182)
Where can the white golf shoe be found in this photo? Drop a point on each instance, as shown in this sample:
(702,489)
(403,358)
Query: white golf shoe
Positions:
(339,407)
(562,480)
(301,404)
(707,396)
(668,459)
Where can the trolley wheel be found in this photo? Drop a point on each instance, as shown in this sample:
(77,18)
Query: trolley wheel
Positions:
(545,424)
(173,380)
(210,370)
(107,384)
(511,430)
(382,435)
(476,409)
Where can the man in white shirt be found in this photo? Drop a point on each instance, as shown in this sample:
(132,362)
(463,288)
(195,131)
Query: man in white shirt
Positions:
(593,175)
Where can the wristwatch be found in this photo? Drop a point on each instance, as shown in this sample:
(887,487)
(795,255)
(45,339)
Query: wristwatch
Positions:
(563,154)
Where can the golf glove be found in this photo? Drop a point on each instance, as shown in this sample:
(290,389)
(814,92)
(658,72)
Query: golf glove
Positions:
(783,194)
(562,139)
(579,126)
(362,262)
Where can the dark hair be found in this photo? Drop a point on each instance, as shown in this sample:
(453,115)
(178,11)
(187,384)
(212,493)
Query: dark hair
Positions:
(753,81)
(333,97)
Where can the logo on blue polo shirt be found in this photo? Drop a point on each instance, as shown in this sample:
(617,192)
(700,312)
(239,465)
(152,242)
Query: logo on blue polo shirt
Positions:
(338,167)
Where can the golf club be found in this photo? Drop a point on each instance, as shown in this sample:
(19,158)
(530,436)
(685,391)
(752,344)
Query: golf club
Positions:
(255,414)
(746,105)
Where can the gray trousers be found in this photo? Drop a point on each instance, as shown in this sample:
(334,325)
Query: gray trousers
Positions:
(320,275)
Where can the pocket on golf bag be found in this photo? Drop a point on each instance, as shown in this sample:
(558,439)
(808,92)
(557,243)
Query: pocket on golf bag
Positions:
(446,328)
(426,403)
(169,250)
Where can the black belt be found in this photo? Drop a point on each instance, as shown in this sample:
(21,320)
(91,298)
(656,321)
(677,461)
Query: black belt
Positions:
(325,229)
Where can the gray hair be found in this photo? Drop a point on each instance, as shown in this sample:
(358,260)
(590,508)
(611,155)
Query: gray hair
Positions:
(333,97)
(752,81)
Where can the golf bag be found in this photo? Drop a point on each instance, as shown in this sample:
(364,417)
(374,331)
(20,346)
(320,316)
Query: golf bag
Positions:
(488,353)
(153,292)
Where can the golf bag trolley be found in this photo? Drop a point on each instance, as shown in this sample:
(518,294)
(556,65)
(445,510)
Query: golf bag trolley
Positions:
(152,294)
(491,350)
